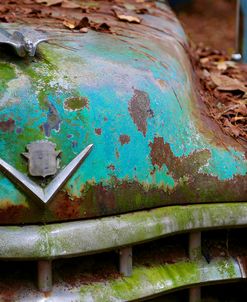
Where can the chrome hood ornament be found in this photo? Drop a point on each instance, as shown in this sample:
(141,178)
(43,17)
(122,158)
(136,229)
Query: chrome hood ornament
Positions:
(42,158)
(46,162)
(24,41)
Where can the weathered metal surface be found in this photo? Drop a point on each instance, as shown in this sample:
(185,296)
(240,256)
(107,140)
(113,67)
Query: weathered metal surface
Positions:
(195,253)
(145,282)
(153,144)
(125,261)
(92,236)
(45,276)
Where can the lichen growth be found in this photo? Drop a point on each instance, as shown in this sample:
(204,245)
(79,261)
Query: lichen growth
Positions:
(76,103)
(7,73)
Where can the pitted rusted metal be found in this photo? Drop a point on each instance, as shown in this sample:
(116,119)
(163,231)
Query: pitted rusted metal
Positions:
(129,91)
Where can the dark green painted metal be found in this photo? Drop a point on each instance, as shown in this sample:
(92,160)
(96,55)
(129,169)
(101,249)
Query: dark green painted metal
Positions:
(132,95)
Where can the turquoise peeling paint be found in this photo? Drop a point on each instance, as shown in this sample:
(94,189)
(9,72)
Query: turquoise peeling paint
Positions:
(230,164)
(107,71)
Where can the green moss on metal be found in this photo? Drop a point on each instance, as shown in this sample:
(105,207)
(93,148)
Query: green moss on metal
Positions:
(147,282)
(7,73)
(76,103)
(226,267)
(41,73)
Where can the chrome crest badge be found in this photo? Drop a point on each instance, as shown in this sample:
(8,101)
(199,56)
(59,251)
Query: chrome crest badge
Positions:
(42,157)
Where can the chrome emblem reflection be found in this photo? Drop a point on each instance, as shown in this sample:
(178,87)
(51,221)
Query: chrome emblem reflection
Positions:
(47,193)
(42,158)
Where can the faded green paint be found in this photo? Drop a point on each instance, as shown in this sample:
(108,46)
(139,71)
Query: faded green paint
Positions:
(75,238)
(95,88)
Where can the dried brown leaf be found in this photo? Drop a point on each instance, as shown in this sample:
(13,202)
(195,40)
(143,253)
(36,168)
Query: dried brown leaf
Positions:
(71,24)
(122,16)
(223,65)
(84,22)
(238,118)
(83,30)
(226,83)
(102,27)
(234,130)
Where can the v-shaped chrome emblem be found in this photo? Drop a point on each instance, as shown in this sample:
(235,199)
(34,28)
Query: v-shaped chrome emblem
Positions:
(49,191)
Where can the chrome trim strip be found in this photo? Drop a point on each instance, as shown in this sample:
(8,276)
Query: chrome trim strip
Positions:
(146,282)
(91,236)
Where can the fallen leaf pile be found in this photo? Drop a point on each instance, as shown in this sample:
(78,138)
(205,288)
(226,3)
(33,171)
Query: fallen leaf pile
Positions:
(85,23)
(76,15)
(70,4)
(223,89)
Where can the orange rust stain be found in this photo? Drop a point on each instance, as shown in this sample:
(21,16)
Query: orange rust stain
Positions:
(7,126)
(98,131)
(124,139)
(158,152)
(106,198)
(140,111)
(10,212)
(65,208)
(7,294)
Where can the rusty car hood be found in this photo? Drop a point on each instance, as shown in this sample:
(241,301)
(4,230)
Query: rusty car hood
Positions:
(132,95)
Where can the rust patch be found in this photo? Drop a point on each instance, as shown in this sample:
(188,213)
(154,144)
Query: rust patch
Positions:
(76,103)
(98,131)
(158,152)
(7,126)
(88,269)
(7,294)
(100,199)
(140,111)
(178,167)
(65,208)
(111,167)
(161,83)
(10,212)
(124,139)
